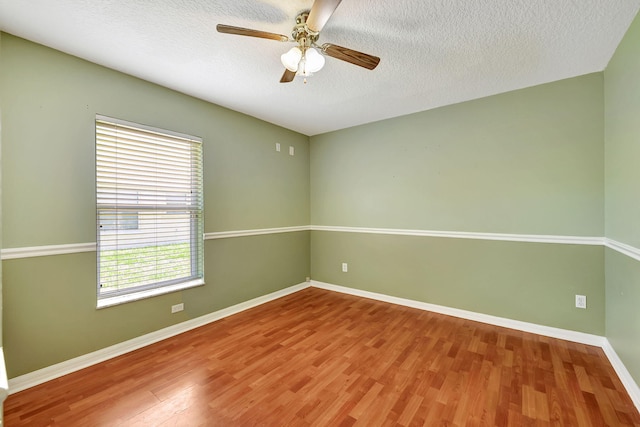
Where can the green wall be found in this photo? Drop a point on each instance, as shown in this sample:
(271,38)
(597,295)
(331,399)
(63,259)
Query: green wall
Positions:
(49,102)
(49,105)
(531,282)
(524,162)
(50,313)
(622,219)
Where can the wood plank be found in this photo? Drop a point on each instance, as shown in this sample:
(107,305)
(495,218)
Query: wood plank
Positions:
(322,358)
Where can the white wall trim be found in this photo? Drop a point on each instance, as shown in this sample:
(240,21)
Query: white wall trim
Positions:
(533,238)
(43,375)
(564,334)
(34,251)
(631,251)
(623,373)
(623,248)
(256,232)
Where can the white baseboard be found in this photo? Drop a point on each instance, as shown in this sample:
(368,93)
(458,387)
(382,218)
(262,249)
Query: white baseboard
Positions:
(43,375)
(4,382)
(548,331)
(623,373)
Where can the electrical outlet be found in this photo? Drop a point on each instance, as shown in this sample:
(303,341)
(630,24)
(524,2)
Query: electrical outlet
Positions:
(581,301)
(277,146)
(178,307)
(345,267)
(292,150)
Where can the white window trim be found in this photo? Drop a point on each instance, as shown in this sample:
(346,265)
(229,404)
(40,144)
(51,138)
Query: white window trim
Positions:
(147,128)
(136,296)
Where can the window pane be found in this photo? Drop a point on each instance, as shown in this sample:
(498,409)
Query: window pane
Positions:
(149,208)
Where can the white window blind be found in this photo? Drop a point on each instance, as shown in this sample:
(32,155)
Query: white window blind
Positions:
(149,208)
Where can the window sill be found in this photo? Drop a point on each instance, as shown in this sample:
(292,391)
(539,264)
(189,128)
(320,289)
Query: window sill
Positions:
(149,293)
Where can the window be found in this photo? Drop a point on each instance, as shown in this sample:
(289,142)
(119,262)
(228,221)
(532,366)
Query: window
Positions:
(149,211)
(122,221)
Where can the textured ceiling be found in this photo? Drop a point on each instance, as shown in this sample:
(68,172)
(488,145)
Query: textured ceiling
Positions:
(433,53)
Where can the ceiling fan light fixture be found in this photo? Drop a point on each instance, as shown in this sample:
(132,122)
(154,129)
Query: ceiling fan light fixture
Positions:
(291,59)
(307,57)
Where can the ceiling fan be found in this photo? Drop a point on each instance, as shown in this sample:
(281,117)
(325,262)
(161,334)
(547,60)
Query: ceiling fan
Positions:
(304,59)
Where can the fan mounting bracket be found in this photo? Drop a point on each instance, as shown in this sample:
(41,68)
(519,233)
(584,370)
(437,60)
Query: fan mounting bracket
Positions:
(301,33)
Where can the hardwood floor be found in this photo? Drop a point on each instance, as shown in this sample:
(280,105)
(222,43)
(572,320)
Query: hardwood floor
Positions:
(322,358)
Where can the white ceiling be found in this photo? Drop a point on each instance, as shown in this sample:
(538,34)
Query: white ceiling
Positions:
(433,52)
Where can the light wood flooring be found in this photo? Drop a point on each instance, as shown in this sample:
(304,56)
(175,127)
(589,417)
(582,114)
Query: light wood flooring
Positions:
(327,359)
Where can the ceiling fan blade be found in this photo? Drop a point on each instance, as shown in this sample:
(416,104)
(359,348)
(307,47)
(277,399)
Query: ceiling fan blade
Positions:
(228,29)
(320,13)
(349,55)
(287,76)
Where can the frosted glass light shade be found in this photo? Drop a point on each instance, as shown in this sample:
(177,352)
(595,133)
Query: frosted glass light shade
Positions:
(291,59)
(313,61)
